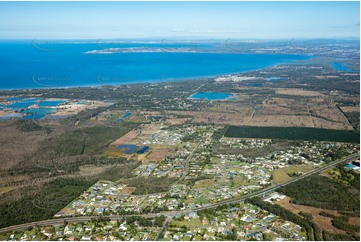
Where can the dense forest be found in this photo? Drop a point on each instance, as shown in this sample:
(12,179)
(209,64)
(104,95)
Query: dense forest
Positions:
(324,192)
(292,133)
(42,203)
(354,119)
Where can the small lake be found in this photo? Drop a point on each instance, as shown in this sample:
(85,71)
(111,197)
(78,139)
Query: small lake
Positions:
(128,148)
(14,99)
(143,150)
(213,96)
(274,78)
(37,113)
(342,67)
(22,106)
(24,103)
(50,103)
(126,115)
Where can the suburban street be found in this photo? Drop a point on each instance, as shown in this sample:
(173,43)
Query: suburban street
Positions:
(171,214)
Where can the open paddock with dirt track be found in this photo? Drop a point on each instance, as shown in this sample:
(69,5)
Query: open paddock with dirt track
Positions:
(347,109)
(323,222)
(297,92)
(289,107)
(256,119)
(157,154)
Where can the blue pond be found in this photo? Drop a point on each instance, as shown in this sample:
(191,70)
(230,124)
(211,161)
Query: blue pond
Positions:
(37,113)
(126,115)
(25,103)
(143,150)
(252,84)
(274,78)
(128,148)
(50,103)
(213,96)
(342,67)
(14,99)
(22,104)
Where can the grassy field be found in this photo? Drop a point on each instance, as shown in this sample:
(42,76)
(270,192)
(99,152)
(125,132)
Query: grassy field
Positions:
(191,224)
(149,185)
(292,133)
(281,175)
(202,200)
(205,183)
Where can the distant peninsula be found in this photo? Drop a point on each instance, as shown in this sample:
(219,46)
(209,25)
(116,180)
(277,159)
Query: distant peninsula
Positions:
(138,50)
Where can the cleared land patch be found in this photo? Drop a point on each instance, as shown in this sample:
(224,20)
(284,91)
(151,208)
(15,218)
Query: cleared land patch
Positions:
(6,189)
(283,118)
(205,183)
(128,137)
(323,222)
(282,175)
(158,154)
(350,108)
(297,92)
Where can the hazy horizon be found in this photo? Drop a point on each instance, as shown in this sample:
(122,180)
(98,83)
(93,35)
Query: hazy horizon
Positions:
(159,38)
(179,20)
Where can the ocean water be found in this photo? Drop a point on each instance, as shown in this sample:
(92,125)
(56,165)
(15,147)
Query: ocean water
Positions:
(49,65)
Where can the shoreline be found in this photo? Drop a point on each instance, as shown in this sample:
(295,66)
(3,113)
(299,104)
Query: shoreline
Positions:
(154,81)
(170,79)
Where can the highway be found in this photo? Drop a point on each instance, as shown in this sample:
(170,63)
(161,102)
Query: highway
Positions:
(273,188)
(170,214)
(164,228)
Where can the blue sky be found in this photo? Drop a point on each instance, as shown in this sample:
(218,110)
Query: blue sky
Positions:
(257,20)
